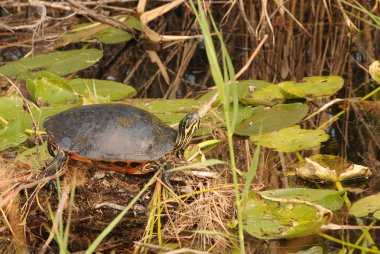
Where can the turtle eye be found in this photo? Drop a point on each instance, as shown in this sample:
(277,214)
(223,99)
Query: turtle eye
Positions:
(192,119)
(191,124)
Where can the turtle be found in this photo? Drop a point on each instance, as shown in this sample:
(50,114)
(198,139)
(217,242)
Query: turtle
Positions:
(117,137)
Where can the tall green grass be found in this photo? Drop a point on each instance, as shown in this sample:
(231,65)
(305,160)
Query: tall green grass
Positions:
(224,78)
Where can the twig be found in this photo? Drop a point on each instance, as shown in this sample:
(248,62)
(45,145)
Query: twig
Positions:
(101,18)
(39,5)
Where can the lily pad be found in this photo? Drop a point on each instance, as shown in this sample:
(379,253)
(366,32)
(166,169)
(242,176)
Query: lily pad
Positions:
(51,89)
(366,206)
(102,90)
(312,87)
(243,88)
(267,219)
(12,135)
(34,158)
(291,139)
(267,96)
(103,33)
(170,106)
(329,199)
(272,119)
(11,108)
(329,168)
(60,63)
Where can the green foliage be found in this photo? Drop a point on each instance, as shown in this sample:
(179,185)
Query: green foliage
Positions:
(329,199)
(51,89)
(60,63)
(171,111)
(366,207)
(29,156)
(12,108)
(258,92)
(101,91)
(86,32)
(292,139)
(175,106)
(282,218)
(244,91)
(12,135)
(312,87)
(272,119)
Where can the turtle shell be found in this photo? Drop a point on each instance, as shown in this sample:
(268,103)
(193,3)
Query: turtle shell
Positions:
(111,132)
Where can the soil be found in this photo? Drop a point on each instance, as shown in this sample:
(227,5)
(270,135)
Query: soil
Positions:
(99,197)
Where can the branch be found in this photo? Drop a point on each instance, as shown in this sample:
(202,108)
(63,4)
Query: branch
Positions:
(101,18)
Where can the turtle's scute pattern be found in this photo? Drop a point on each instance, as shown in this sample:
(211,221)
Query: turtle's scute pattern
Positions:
(111,132)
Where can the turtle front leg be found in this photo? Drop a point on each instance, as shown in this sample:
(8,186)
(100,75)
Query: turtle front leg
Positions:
(164,166)
(51,147)
(55,165)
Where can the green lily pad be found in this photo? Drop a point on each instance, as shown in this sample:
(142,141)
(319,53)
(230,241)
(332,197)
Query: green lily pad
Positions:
(170,106)
(329,199)
(107,35)
(267,96)
(312,87)
(34,158)
(243,89)
(282,219)
(51,89)
(113,35)
(244,112)
(11,108)
(172,111)
(171,119)
(272,119)
(374,71)
(366,206)
(60,63)
(246,87)
(12,135)
(291,139)
(102,90)
(329,168)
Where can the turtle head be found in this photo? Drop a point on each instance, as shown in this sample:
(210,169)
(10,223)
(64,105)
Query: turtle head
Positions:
(186,129)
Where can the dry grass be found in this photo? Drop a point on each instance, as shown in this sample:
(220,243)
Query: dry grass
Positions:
(306,38)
